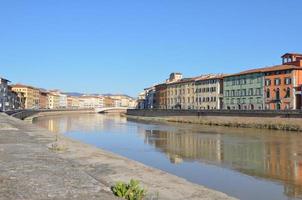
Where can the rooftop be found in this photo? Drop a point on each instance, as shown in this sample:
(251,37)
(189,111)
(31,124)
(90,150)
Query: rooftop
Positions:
(266,69)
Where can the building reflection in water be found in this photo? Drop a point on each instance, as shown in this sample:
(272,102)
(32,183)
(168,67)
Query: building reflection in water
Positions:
(80,123)
(264,155)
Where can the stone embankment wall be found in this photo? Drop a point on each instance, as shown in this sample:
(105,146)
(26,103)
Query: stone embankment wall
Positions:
(22,114)
(232,113)
(288,121)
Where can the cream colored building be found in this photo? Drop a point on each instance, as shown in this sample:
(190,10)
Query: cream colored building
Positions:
(181,94)
(73,102)
(89,102)
(209,92)
(31,95)
(53,100)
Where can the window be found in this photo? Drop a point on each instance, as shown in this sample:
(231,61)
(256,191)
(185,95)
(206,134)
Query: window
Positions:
(267,82)
(278,94)
(227,93)
(251,91)
(287,95)
(268,93)
(277,81)
(287,81)
(243,92)
(238,93)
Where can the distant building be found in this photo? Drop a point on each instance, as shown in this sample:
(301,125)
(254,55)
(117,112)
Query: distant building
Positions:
(31,94)
(181,94)
(140,102)
(209,92)
(43,99)
(149,98)
(53,100)
(73,102)
(161,96)
(174,77)
(4,94)
(13,101)
(62,98)
(90,102)
(108,102)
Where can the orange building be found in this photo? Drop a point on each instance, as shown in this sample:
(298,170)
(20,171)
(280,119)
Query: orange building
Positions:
(108,102)
(161,96)
(282,84)
(43,100)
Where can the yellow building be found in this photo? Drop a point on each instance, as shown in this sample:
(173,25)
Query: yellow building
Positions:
(181,94)
(53,101)
(30,93)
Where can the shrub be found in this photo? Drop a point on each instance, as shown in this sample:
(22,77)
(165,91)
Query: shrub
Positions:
(130,191)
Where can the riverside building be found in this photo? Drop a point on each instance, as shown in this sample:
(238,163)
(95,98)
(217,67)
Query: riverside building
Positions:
(181,94)
(31,95)
(161,96)
(283,84)
(3,93)
(209,92)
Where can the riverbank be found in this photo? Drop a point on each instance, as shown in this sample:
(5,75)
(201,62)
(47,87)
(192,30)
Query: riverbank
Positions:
(38,164)
(55,113)
(272,123)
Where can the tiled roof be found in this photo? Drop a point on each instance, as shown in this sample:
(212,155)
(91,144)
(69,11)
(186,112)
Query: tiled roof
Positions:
(293,54)
(23,86)
(266,69)
(209,77)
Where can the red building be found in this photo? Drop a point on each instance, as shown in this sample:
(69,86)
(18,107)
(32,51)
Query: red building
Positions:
(282,84)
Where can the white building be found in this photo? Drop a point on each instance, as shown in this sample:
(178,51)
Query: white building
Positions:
(90,102)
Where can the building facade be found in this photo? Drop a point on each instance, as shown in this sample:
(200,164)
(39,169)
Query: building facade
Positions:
(53,100)
(181,94)
(161,96)
(150,100)
(73,102)
(43,99)
(283,84)
(3,94)
(31,95)
(244,91)
(209,92)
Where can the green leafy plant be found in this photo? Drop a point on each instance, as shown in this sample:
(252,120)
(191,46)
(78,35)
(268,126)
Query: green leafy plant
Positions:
(129,191)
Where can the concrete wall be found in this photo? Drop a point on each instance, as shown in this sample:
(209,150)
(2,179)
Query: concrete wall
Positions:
(199,113)
(22,114)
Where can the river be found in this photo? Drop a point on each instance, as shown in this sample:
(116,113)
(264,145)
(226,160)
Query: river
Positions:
(248,164)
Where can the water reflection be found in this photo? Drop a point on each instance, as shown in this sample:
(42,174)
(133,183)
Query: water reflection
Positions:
(273,158)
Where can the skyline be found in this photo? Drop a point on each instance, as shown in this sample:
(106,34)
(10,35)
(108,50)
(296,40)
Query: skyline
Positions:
(104,47)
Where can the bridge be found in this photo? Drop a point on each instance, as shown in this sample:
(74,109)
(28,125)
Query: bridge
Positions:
(111,110)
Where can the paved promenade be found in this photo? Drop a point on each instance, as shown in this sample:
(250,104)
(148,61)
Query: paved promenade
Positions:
(34,165)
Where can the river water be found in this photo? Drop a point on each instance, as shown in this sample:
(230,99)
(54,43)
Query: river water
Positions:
(248,164)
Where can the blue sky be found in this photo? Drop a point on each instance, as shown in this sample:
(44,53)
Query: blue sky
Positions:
(123,46)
